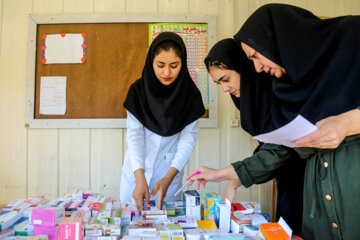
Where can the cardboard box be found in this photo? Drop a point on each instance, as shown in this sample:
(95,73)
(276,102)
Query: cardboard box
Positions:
(50,231)
(185,222)
(115,216)
(11,206)
(238,221)
(222,215)
(47,216)
(110,230)
(8,219)
(6,233)
(71,229)
(193,234)
(206,224)
(105,211)
(137,227)
(191,198)
(156,215)
(211,199)
(250,231)
(276,230)
(257,219)
(93,230)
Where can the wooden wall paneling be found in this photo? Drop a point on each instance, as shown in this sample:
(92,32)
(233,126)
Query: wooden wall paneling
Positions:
(322,7)
(241,13)
(173,6)
(225,20)
(141,6)
(239,148)
(43,144)
(2,108)
(109,6)
(47,6)
(207,155)
(74,160)
(209,7)
(43,162)
(12,84)
(346,7)
(299,3)
(78,6)
(1,16)
(106,161)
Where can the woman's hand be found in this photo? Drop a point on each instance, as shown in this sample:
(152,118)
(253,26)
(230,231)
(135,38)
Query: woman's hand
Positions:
(211,175)
(162,186)
(141,190)
(331,133)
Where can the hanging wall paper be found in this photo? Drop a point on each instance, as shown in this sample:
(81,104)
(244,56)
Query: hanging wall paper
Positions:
(53,95)
(64,48)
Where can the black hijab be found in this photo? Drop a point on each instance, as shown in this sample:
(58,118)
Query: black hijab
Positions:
(165,110)
(321,59)
(255,89)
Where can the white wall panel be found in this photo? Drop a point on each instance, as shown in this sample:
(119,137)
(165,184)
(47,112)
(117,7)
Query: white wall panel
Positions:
(346,7)
(47,7)
(109,6)
(207,153)
(106,161)
(2,109)
(173,6)
(207,7)
(12,84)
(78,6)
(241,13)
(141,6)
(323,7)
(43,162)
(74,160)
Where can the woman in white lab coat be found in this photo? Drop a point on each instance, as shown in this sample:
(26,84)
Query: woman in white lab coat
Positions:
(163,108)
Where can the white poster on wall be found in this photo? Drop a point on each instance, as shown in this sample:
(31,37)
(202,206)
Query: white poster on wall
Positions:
(64,48)
(53,95)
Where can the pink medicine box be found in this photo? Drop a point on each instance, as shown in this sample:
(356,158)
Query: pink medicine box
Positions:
(47,216)
(71,229)
(50,231)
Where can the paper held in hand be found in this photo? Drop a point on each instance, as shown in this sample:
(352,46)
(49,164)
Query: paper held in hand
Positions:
(289,133)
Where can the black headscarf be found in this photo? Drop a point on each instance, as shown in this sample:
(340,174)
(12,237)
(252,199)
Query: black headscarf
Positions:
(321,59)
(165,110)
(255,89)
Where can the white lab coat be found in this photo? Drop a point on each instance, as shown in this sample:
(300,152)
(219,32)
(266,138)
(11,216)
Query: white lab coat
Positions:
(155,154)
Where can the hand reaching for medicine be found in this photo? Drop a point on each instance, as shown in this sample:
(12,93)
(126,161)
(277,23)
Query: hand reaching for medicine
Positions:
(162,186)
(141,190)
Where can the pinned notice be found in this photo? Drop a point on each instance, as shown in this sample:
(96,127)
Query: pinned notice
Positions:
(53,95)
(64,48)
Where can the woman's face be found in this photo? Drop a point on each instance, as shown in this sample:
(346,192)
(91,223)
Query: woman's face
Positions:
(167,66)
(228,79)
(262,63)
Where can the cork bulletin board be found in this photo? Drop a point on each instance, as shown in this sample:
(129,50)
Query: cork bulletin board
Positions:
(115,56)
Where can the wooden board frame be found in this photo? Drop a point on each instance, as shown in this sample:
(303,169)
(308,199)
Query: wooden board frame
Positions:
(34,20)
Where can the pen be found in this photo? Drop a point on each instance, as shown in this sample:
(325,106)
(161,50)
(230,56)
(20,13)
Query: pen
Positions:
(185,184)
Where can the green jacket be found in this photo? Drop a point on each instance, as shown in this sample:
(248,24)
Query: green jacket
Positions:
(331,185)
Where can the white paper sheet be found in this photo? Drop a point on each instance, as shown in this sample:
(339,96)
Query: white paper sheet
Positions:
(288,134)
(67,49)
(53,95)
